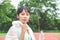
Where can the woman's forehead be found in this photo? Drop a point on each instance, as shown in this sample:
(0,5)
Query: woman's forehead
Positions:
(25,11)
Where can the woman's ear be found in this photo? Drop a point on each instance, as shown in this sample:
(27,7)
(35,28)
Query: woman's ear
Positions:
(17,17)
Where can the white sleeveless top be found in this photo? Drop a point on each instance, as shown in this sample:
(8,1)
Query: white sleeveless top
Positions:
(15,32)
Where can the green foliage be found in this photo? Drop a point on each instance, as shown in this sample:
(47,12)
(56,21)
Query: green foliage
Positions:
(43,14)
(7,15)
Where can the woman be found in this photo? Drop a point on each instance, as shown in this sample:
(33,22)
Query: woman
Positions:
(20,29)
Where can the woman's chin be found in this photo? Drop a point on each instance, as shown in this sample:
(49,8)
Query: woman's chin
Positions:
(24,22)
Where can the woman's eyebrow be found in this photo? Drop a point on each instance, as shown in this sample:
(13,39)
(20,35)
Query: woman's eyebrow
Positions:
(26,10)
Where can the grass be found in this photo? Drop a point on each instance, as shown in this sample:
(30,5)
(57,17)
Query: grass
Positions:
(51,31)
(2,34)
(58,35)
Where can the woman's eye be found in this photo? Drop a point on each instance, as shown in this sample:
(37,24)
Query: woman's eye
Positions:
(27,14)
(22,14)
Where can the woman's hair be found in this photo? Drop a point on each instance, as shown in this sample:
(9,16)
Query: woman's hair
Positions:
(20,9)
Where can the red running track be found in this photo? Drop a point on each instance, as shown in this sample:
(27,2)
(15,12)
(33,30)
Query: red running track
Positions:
(47,36)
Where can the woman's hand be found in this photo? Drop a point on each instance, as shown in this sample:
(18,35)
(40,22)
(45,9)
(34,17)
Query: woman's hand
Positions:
(24,28)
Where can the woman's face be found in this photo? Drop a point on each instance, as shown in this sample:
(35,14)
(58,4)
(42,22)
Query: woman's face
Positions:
(24,16)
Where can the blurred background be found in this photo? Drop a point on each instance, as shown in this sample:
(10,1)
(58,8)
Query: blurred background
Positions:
(45,14)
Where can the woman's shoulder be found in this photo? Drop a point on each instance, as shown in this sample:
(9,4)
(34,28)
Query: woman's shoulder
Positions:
(16,23)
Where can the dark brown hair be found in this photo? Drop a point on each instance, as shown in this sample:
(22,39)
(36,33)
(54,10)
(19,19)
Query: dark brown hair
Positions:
(20,9)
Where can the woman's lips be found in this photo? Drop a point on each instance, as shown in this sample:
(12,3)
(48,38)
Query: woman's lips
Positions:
(24,20)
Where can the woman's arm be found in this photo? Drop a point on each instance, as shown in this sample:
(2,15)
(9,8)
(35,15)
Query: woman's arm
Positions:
(24,29)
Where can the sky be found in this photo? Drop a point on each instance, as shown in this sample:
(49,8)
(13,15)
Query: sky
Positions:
(15,3)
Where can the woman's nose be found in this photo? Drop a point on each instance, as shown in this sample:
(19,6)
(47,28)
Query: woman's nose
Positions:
(25,16)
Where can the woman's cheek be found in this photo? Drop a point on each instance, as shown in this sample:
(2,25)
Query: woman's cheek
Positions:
(28,19)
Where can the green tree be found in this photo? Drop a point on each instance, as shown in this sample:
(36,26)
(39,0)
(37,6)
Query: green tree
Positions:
(43,13)
(7,15)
